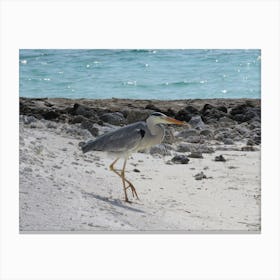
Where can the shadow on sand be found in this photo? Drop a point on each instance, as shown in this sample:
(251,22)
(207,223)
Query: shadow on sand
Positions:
(115,202)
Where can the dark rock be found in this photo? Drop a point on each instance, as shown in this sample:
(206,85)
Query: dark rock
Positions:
(83,111)
(50,115)
(226,121)
(86,124)
(187,133)
(199,148)
(257,139)
(95,119)
(200,176)
(187,113)
(211,122)
(153,108)
(212,114)
(113,118)
(169,137)
(239,118)
(249,103)
(220,158)
(64,118)
(205,149)
(195,155)
(207,107)
(228,141)
(192,110)
(222,109)
(244,113)
(184,147)
(245,132)
(78,119)
(222,129)
(180,159)
(182,115)
(160,150)
(170,112)
(254,125)
(136,170)
(27,119)
(250,142)
(227,148)
(238,110)
(48,104)
(248,149)
(195,139)
(75,131)
(221,136)
(196,122)
(137,115)
(207,133)
(51,125)
(27,169)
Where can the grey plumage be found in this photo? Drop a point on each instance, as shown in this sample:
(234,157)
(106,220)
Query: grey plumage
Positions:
(117,141)
(134,137)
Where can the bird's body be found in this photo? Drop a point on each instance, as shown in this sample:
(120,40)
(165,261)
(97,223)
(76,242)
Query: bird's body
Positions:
(119,144)
(129,139)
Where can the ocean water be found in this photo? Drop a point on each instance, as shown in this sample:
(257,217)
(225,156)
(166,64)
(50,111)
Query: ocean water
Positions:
(140,74)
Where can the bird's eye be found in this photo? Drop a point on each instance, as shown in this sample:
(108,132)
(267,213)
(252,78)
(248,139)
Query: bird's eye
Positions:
(156,114)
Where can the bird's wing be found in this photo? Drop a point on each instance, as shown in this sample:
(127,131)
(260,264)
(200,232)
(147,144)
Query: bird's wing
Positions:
(121,140)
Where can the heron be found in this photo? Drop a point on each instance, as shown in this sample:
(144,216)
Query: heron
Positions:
(124,141)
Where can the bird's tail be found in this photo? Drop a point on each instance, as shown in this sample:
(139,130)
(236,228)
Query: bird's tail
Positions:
(86,146)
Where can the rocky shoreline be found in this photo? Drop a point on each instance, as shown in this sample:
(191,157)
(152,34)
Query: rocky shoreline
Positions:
(202,178)
(224,123)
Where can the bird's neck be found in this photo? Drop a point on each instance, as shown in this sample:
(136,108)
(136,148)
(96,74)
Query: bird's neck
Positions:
(154,128)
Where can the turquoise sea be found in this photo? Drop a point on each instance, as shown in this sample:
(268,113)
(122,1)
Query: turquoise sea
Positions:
(140,74)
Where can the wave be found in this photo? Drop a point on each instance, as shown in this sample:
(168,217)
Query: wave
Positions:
(179,83)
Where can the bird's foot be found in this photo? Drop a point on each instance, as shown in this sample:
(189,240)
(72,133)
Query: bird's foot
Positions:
(126,200)
(133,190)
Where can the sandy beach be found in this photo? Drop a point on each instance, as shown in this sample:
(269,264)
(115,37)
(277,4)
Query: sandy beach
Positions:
(62,189)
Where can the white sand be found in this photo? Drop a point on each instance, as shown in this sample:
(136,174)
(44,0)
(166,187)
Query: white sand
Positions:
(62,189)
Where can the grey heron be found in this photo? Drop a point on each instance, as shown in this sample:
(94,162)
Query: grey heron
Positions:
(131,138)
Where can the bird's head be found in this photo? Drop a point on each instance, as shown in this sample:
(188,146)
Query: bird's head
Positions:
(158,118)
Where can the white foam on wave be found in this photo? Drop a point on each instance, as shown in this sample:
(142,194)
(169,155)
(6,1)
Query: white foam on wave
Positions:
(130,83)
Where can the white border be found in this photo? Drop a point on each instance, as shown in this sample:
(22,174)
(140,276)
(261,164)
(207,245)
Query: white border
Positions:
(157,24)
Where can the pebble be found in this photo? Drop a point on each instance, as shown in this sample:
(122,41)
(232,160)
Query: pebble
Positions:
(197,122)
(200,176)
(180,159)
(206,132)
(187,133)
(195,155)
(27,169)
(220,158)
(184,147)
(228,141)
(248,149)
(160,150)
(250,142)
(116,118)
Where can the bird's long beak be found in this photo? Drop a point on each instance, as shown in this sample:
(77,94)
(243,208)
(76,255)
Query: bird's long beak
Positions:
(174,121)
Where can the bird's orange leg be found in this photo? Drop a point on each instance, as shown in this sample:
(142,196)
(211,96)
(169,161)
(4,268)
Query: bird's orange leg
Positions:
(123,179)
(130,185)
